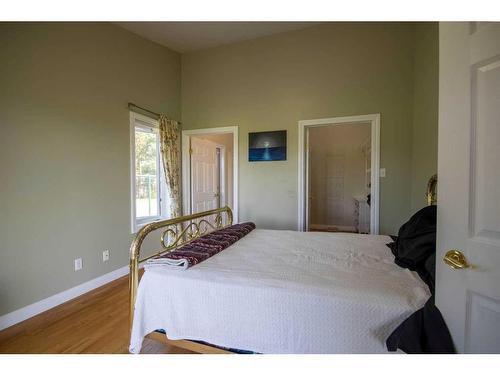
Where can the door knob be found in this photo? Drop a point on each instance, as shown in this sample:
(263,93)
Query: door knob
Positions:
(455,259)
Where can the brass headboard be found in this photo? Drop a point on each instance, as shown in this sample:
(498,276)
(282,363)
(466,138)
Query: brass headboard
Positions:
(176,232)
(432,190)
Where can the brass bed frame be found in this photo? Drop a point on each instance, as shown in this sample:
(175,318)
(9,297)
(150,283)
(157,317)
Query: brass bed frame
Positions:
(431,194)
(175,233)
(182,230)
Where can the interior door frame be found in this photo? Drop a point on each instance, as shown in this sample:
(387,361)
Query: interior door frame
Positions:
(186,165)
(303,188)
(222,174)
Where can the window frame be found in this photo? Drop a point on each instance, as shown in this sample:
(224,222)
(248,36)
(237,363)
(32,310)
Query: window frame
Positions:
(147,123)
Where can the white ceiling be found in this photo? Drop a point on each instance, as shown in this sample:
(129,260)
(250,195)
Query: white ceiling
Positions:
(192,36)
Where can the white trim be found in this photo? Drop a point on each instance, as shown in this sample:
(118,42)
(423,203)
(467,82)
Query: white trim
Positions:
(222,174)
(374,120)
(36,308)
(343,228)
(137,223)
(186,166)
(132,170)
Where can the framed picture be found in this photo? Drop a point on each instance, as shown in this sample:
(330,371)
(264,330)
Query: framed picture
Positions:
(267,146)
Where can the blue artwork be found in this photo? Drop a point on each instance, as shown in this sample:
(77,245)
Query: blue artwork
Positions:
(267,146)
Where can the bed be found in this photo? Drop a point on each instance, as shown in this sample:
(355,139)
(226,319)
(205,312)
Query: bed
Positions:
(273,291)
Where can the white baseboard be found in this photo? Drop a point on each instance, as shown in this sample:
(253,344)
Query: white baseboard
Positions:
(346,228)
(36,308)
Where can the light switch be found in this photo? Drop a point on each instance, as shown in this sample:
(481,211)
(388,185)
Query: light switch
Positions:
(382,172)
(78,264)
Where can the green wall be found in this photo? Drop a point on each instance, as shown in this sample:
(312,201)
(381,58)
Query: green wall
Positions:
(64,149)
(64,145)
(425,111)
(336,69)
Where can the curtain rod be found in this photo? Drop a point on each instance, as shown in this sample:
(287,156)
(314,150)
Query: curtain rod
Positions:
(132,106)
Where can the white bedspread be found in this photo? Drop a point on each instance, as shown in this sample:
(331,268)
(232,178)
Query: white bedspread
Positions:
(283,292)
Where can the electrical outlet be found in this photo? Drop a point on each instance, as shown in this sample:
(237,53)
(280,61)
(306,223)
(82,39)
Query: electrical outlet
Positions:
(78,264)
(105,255)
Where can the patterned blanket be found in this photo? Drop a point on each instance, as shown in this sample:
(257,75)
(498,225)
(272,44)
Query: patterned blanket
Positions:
(202,248)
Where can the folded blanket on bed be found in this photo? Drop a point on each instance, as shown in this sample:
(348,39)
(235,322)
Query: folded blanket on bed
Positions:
(202,248)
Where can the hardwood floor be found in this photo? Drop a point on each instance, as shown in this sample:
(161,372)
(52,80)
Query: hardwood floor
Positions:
(96,322)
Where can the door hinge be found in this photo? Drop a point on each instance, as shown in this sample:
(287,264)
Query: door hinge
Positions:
(190,151)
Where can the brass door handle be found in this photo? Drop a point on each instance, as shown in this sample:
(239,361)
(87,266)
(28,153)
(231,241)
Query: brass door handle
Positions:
(456,260)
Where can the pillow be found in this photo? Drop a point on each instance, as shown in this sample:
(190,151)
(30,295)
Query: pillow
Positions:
(416,242)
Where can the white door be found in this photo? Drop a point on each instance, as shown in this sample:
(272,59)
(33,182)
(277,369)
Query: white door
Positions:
(204,175)
(469,184)
(335,176)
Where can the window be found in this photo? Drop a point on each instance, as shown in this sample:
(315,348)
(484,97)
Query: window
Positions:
(148,182)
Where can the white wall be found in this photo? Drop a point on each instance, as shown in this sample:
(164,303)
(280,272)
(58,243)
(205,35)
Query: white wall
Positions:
(337,172)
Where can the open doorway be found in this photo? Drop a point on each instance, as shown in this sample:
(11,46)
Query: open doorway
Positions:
(209,169)
(338,174)
(339,178)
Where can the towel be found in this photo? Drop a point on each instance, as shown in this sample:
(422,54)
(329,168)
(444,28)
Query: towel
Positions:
(201,248)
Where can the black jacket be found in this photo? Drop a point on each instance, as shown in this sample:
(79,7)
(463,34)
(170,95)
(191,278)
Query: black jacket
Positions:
(425,331)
